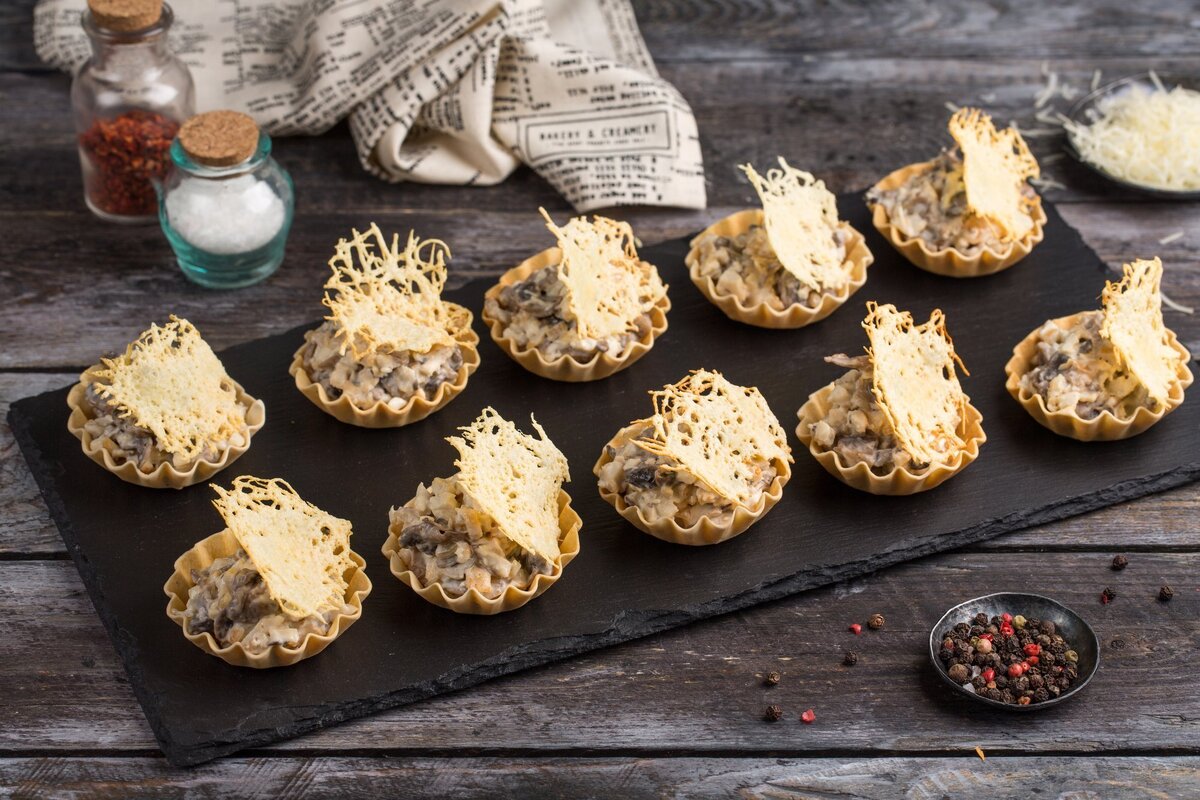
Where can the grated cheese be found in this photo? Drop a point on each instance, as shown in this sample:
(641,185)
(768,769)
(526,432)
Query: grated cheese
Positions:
(1147,137)
(801,215)
(915,382)
(715,430)
(514,478)
(608,286)
(1133,322)
(301,551)
(385,298)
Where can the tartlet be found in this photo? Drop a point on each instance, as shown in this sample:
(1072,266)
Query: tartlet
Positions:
(969,212)
(275,587)
(581,311)
(164,414)
(897,422)
(1107,374)
(786,265)
(684,476)
(391,352)
(494,535)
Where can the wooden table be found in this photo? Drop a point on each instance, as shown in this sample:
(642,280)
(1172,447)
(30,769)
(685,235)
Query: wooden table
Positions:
(849,90)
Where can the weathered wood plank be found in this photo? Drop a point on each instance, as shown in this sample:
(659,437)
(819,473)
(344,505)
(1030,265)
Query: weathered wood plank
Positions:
(695,690)
(1163,521)
(345,778)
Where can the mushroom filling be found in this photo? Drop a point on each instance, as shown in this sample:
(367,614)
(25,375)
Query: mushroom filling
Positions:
(660,489)
(391,377)
(444,539)
(534,315)
(746,267)
(230,600)
(932,206)
(1077,369)
(116,432)
(855,427)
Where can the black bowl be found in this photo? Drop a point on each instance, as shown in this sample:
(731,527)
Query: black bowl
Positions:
(1079,636)
(1084,112)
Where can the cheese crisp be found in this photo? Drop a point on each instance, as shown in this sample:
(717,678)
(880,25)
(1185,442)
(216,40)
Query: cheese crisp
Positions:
(608,286)
(170,383)
(515,478)
(915,382)
(801,220)
(995,167)
(1133,322)
(716,430)
(383,298)
(301,552)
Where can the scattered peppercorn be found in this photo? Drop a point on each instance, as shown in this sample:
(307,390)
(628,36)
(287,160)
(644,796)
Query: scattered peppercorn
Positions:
(1165,593)
(809,717)
(1107,596)
(850,659)
(1119,563)
(875,622)
(773,713)
(856,629)
(771,679)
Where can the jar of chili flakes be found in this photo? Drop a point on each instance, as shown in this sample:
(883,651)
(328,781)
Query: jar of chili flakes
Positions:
(129,99)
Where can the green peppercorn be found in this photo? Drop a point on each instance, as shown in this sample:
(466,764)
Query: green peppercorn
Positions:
(1018,622)
(1071,656)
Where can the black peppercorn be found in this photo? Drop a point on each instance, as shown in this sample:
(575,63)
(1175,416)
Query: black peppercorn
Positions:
(773,713)
(876,622)
(851,658)
(981,619)
(1047,627)
(1119,563)
(771,679)
(1107,596)
(1165,593)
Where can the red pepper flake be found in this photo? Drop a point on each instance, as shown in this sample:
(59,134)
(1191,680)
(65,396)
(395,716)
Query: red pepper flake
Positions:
(856,628)
(123,154)
(1107,596)
(808,717)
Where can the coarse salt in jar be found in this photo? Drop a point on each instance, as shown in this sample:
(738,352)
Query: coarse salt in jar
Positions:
(226,205)
(128,99)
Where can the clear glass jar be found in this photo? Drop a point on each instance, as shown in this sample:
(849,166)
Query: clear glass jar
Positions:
(228,225)
(129,99)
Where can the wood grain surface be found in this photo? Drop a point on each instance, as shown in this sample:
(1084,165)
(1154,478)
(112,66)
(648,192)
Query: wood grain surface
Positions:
(847,89)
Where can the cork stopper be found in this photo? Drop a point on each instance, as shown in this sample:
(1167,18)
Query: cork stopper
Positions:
(125,16)
(219,138)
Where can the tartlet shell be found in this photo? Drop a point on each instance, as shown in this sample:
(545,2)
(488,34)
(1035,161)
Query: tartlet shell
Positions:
(381,415)
(951,262)
(472,602)
(565,368)
(704,531)
(164,476)
(1106,427)
(762,315)
(223,544)
(899,481)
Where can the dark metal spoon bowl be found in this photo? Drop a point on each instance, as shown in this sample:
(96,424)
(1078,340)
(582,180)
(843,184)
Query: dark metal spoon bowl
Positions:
(1085,111)
(1079,636)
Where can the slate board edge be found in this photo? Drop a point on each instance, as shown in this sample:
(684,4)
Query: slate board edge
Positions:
(627,627)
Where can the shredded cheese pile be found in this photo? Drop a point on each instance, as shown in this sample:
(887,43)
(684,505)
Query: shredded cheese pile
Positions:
(915,382)
(996,165)
(1133,322)
(801,216)
(514,478)
(301,552)
(385,298)
(608,286)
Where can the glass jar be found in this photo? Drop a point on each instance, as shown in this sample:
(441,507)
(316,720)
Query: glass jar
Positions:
(227,223)
(128,99)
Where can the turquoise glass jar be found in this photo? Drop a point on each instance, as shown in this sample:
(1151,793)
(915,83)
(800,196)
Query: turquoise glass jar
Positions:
(227,223)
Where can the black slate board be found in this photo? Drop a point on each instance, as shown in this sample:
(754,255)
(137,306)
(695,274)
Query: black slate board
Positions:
(624,584)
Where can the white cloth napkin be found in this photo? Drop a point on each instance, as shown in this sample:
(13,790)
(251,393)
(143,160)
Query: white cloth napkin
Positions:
(442,91)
